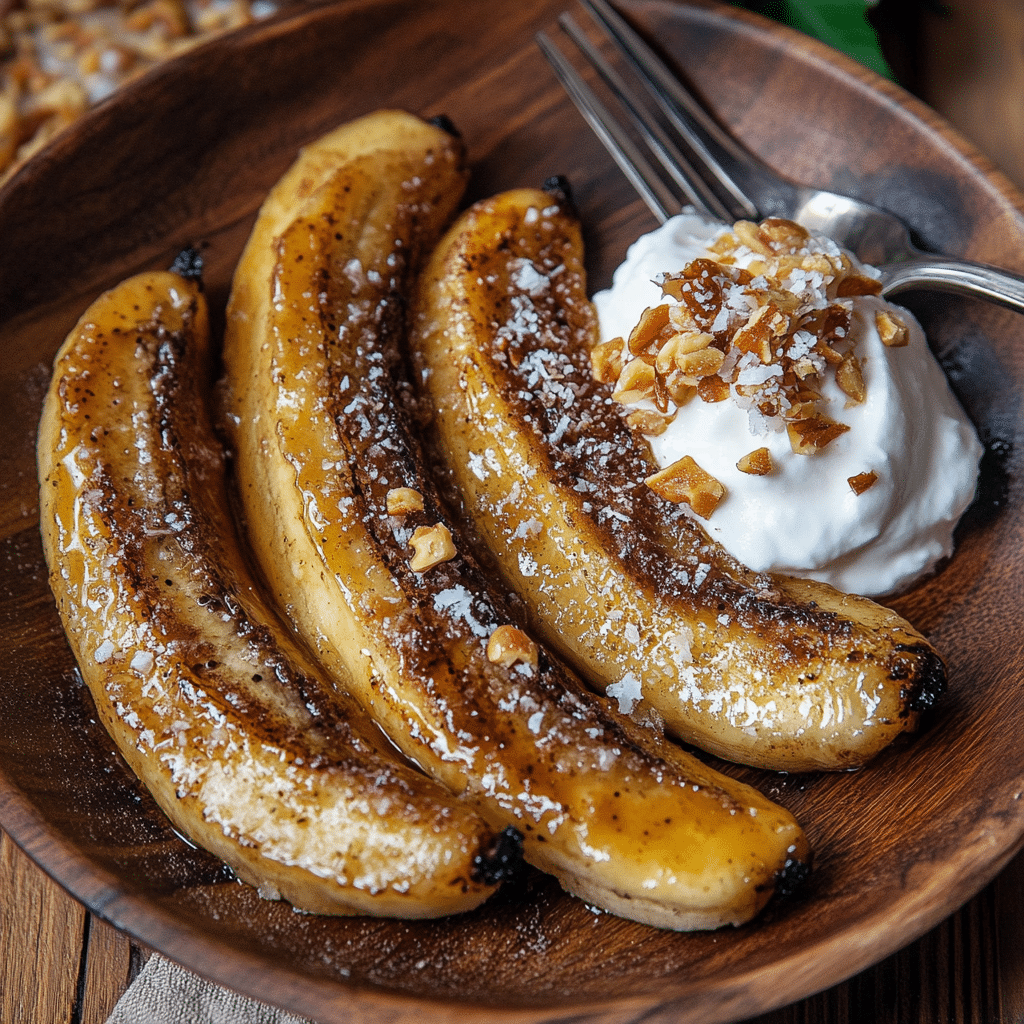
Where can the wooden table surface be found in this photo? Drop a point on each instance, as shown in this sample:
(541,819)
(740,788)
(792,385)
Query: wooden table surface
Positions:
(59,963)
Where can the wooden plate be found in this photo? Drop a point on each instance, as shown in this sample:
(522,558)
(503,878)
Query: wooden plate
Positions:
(185,156)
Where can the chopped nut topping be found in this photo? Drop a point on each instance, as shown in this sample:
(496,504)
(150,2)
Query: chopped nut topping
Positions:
(432,545)
(752,237)
(685,481)
(509,646)
(757,463)
(761,333)
(702,363)
(828,353)
(403,500)
(811,435)
(857,284)
(891,329)
(606,361)
(763,323)
(861,482)
(653,424)
(712,389)
(851,380)
(676,389)
(781,233)
(652,322)
(636,382)
(675,352)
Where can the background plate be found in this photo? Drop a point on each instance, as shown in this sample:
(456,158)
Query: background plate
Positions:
(185,156)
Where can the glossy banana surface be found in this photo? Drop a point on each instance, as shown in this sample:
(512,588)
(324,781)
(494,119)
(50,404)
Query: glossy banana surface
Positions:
(361,553)
(762,669)
(250,755)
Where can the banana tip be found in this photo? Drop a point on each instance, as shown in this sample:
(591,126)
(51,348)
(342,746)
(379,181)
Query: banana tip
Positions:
(928,682)
(189,264)
(791,877)
(446,124)
(559,187)
(502,860)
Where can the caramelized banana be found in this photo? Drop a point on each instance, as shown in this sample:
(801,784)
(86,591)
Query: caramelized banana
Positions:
(359,551)
(248,753)
(762,669)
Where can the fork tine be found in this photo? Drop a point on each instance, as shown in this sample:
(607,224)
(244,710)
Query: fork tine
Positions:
(642,176)
(685,112)
(693,186)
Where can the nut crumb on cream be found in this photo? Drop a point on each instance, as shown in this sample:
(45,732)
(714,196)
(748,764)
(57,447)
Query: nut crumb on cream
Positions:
(758,462)
(816,387)
(860,482)
(891,330)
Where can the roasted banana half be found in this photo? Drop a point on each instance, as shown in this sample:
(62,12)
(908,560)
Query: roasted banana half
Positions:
(762,669)
(362,555)
(247,751)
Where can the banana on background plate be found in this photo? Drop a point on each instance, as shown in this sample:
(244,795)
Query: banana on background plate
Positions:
(247,751)
(762,669)
(359,551)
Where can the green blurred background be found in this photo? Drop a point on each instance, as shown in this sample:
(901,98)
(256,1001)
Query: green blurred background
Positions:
(843,24)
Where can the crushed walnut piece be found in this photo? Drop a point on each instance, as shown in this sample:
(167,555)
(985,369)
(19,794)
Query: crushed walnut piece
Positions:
(756,463)
(685,481)
(862,481)
(59,57)
(763,319)
(509,646)
(403,500)
(648,421)
(606,360)
(431,545)
(811,435)
(891,329)
(851,380)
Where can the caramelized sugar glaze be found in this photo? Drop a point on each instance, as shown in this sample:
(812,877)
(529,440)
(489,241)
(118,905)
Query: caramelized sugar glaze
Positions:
(242,743)
(759,668)
(621,816)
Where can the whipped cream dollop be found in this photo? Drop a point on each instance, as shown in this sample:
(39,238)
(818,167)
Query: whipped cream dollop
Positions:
(871,509)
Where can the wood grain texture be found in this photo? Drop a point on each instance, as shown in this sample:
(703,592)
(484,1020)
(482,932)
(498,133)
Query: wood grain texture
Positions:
(58,962)
(43,918)
(899,846)
(110,964)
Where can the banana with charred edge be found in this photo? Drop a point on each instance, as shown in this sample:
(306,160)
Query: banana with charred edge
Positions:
(248,753)
(359,551)
(762,669)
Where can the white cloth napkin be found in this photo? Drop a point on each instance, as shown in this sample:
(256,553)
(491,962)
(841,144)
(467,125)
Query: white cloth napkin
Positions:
(165,993)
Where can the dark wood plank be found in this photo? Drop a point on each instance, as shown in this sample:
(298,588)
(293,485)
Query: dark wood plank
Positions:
(42,939)
(110,965)
(1009,899)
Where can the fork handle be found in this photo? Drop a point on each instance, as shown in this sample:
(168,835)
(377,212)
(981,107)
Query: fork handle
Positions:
(961,276)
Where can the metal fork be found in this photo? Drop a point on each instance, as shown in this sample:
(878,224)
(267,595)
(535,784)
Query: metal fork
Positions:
(715,174)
